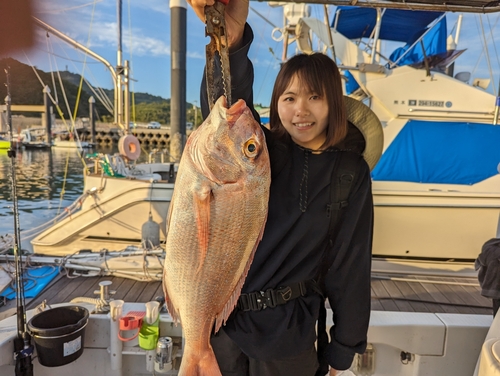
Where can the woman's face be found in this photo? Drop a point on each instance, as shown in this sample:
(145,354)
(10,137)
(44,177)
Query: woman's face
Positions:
(304,115)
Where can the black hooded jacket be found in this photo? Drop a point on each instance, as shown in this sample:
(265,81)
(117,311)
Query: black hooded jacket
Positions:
(293,247)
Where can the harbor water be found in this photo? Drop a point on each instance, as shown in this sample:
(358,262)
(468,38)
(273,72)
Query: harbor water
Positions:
(48,181)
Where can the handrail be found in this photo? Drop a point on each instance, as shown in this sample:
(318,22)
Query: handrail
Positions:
(466,6)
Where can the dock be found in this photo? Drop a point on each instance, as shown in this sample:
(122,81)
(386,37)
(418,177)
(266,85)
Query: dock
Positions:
(399,293)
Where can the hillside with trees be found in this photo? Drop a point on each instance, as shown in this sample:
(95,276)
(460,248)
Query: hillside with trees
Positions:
(26,89)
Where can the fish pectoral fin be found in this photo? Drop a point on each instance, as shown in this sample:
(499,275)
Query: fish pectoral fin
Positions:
(168,302)
(202,201)
(233,300)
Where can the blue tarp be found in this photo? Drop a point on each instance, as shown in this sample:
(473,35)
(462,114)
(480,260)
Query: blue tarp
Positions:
(35,280)
(397,25)
(351,85)
(441,152)
(434,42)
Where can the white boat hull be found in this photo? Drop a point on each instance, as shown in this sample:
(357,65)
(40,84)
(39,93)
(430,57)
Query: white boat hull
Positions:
(436,224)
(433,344)
(111,215)
(412,220)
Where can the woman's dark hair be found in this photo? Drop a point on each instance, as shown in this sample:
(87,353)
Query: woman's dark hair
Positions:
(321,75)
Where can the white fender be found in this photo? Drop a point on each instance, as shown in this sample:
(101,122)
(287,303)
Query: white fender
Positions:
(129,147)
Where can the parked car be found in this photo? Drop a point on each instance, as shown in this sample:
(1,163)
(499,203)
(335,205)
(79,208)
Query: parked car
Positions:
(154,125)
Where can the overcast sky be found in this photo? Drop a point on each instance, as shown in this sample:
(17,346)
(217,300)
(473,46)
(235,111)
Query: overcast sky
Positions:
(146,43)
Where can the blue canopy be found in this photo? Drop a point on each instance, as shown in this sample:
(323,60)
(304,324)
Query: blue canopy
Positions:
(441,152)
(397,25)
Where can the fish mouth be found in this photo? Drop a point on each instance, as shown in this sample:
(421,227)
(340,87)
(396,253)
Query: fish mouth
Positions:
(237,107)
(235,111)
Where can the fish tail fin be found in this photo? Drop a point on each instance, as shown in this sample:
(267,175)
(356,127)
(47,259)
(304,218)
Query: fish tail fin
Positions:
(201,363)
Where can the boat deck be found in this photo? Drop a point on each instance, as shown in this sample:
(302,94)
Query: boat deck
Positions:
(390,292)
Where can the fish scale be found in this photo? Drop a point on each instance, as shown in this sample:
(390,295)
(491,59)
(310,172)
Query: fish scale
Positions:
(215,222)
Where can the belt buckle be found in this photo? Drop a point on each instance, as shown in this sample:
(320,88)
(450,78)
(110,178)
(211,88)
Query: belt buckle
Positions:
(267,299)
(286,293)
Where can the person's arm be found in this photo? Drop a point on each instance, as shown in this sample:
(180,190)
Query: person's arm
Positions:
(239,36)
(348,280)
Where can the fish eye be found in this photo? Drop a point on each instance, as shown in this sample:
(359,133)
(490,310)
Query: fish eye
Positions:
(250,149)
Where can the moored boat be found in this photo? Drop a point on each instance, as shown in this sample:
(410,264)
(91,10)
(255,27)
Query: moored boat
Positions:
(436,188)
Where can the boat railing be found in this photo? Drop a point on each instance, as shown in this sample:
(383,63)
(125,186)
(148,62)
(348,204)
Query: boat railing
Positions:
(163,154)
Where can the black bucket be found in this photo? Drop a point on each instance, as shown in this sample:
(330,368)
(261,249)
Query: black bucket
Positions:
(59,334)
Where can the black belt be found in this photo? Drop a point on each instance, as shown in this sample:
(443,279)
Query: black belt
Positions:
(255,301)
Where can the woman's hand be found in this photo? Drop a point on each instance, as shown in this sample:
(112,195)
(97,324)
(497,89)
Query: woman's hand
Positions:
(235,16)
(333,372)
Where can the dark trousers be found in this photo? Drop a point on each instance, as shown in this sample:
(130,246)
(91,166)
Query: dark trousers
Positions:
(233,362)
(496,305)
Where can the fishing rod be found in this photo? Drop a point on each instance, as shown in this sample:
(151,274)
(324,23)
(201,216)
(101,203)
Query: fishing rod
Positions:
(23,349)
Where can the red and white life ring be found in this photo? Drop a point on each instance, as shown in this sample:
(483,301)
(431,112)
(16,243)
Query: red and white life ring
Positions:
(129,147)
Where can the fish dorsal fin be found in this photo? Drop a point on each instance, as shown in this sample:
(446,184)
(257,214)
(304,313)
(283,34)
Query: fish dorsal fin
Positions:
(202,199)
(231,303)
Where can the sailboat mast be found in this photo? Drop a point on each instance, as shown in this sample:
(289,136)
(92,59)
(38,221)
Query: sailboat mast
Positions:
(119,67)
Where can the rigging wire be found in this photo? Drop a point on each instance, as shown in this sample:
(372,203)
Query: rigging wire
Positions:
(59,111)
(85,60)
(96,90)
(482,50)
(72,131)
(62,57)
(100,93)
(270,49)
(493,38)
(485,45)
(50,64)
(63,10)
(65,97)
